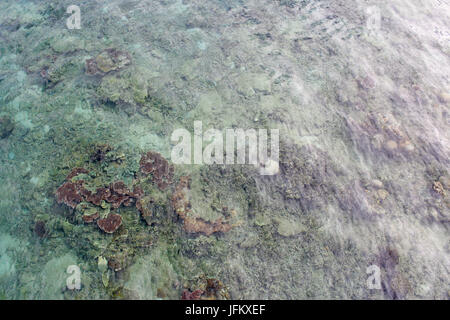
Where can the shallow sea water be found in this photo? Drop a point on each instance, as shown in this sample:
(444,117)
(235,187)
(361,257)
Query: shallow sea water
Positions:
(360,94)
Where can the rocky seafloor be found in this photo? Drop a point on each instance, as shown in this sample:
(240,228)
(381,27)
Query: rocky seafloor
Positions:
(359,91)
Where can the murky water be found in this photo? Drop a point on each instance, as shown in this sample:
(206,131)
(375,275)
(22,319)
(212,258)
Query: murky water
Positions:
(91,194)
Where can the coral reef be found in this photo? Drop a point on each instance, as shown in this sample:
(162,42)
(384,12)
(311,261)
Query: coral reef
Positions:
(73,193)
(308,232)
(77,193)
(128,88)
(96,204)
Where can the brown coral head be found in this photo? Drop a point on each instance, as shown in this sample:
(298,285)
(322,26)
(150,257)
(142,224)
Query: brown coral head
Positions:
(137,192)
(195,295)
(100,195)
(111,223)
(153,163)
(68,194)
(120,188)
(74,192)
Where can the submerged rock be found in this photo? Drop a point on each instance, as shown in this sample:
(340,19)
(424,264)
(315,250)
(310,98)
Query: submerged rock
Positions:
(40,229)
(6,127)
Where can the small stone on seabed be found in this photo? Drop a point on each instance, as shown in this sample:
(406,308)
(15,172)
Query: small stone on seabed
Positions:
(377,183)
(382,194)
(444,97)
(6,127)
(391,145)
(408,146)
(438,187)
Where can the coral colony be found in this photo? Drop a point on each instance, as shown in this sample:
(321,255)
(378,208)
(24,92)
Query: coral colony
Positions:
(98,206)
